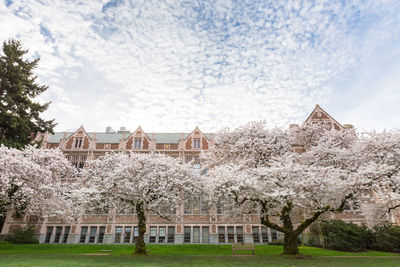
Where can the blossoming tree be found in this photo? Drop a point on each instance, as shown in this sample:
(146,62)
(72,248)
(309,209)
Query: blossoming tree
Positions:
(380,153)
(149,183)
(32,181)
(261,174)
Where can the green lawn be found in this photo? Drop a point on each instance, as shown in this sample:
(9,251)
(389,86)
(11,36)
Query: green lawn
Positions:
(184,255)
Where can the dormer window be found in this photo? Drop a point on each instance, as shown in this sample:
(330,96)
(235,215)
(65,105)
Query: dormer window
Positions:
(196,143)
(138,143)
(78,142)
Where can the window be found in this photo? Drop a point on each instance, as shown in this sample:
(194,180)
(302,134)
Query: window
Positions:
(78,142)
(138,143)
(153,234)
(264,234)
(84,230)
(118,234)
(274,235)
(92,236)
(186,236)
(256,234)
(171,234)
(127,236)
(196,205)
(205,235)
(231,232)
(135,233)
(188,207)
(49,231)
(161,234)
(58,234)
(82,161)
(196,143)
(196,234)
(221,234)
(101,234)
(239,234)
(75,160)
(66,234)
(188,158)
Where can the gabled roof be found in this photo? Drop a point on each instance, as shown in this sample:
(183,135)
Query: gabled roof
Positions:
(319,109)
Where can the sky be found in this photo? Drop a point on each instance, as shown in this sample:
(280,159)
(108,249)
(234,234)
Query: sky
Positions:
(169,66)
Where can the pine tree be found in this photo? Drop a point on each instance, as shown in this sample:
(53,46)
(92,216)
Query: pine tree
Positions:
(19,112)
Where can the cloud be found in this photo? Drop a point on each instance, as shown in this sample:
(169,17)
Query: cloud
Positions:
(171,65)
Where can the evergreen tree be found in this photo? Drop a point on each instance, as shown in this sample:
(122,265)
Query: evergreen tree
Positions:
(19,112)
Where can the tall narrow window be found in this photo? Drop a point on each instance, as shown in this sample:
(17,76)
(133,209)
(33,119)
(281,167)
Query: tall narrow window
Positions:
(256,234)
(171,234)
(161,234)
(196,143)
(84,230)
(205,234)
(118,234)
(239,234)
(196,234)
(78,142)
(274,235)
(127,236)
(66,234)
(264,234)
(82,161)
(92,236)
(231,237)
(188,158)
(135,233)
(101,234)
(153,234)
(58,234)
(221,234)
(186,236)
(49,231)
(138,143)
(75,160)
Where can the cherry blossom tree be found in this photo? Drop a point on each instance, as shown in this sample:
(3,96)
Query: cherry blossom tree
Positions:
(148,183)
(380,153)
(33,181)
(261,174)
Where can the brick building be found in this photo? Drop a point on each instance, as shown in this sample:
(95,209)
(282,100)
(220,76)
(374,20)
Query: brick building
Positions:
(197,225)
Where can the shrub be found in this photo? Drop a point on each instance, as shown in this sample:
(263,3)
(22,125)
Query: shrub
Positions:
(386,238)
(22,236)
(343,236)
(311,242)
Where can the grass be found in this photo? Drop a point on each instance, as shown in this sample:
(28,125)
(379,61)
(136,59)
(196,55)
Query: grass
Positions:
(184,255)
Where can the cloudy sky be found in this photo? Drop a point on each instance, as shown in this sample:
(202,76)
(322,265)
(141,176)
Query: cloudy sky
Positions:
(172,65)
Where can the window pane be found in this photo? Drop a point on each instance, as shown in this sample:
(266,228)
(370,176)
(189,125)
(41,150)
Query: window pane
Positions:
(221,234)
(118,234)
(127,236)
(66,234)
(49,231)
(186,238)
(196,234)
(84,230)
(205,236)
(101,234)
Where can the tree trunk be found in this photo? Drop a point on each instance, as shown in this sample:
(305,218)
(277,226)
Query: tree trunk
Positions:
(140,245)
(290,246)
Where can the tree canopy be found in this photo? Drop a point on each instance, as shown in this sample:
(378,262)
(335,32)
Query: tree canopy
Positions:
(20,113)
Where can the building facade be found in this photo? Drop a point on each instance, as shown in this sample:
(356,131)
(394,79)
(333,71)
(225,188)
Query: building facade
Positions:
(196,224)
